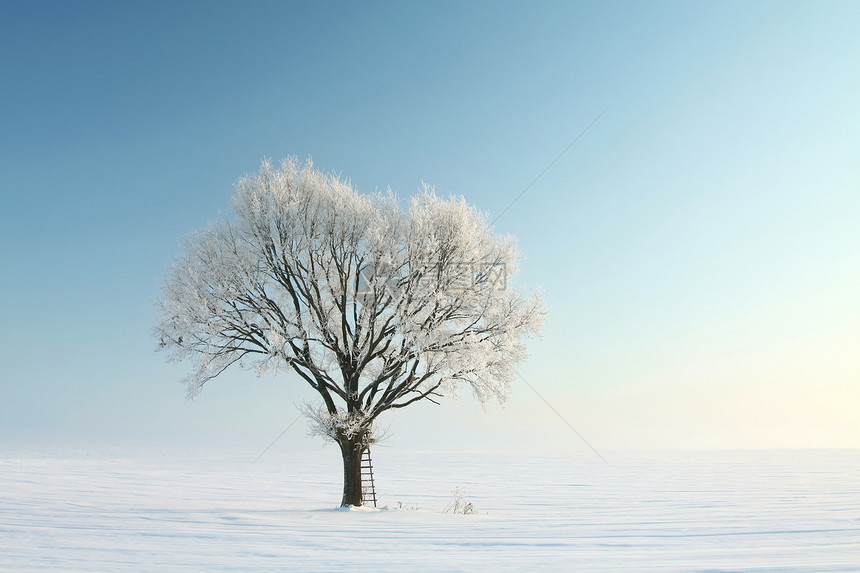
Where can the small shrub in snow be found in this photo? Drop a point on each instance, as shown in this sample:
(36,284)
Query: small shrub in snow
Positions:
(458,503)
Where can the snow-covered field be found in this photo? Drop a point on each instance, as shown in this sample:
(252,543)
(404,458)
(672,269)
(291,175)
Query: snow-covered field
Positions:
(717,511)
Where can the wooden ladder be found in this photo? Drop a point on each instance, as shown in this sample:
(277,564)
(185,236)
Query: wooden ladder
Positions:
(368,488)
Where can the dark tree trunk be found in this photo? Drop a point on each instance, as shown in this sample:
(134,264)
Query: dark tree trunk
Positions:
(352,490)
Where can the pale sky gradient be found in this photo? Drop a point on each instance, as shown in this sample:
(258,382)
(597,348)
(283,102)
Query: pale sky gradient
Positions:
(699,247)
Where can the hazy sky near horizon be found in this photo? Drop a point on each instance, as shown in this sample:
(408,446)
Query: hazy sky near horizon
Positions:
(699,246)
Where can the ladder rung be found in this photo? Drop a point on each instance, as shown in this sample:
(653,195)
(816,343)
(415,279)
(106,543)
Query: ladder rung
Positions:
(369,489)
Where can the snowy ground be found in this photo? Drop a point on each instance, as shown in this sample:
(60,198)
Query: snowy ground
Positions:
(737,511)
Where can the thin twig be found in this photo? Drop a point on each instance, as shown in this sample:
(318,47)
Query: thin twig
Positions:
(563,151)
(278,438)
(263,119)
(557,413)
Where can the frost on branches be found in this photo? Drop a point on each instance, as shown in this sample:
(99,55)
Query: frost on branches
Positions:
(374,307)
(352,425)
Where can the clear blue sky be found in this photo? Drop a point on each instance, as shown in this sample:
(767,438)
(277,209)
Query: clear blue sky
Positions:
(699,246)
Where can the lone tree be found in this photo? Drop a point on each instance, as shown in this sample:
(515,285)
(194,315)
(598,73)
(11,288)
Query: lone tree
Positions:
(374,307)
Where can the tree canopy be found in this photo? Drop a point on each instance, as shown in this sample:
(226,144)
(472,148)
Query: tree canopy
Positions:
(374,306)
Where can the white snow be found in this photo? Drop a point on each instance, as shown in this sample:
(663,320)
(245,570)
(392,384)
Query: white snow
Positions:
(717,511)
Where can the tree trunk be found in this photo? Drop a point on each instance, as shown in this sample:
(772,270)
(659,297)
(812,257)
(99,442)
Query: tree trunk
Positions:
(352,490)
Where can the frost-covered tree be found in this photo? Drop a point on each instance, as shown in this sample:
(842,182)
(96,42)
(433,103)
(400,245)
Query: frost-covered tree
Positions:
(374,307)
